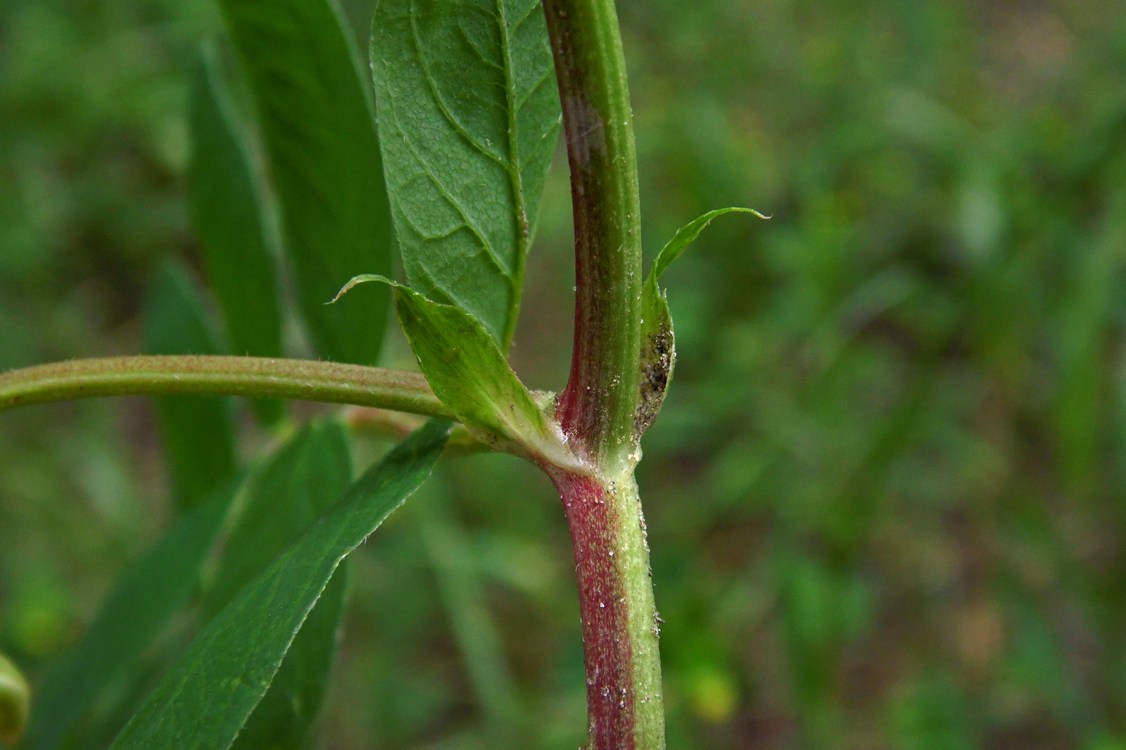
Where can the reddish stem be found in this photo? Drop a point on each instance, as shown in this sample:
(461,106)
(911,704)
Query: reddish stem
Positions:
(597,408)
(594,522)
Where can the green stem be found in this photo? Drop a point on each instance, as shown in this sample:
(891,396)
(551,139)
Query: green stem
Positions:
(625,710)
(597,408)
(221,376)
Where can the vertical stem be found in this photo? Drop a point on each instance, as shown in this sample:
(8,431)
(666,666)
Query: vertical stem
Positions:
(597,407)
(620,624)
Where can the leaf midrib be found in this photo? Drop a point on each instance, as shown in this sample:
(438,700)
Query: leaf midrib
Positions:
(511,165)
(523,232)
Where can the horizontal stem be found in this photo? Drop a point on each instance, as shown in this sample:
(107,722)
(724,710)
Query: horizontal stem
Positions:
(366,420)
(306,380)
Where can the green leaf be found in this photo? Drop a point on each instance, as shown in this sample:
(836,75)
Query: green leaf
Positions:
(206,697)
(197,432)
(324,161)
(686,235)
(14,698)
(145,598)
(658,344)
(227,213)
(468,119)
(470,374)
(449,547)
(286,717)
(300,482)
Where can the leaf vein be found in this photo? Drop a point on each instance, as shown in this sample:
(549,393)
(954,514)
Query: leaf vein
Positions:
(440,101)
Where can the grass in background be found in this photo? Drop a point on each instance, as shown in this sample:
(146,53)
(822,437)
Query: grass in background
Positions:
(887,497)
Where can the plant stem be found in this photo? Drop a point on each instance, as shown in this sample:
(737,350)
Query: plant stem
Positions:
(221,376)
(620,623)
(597,408)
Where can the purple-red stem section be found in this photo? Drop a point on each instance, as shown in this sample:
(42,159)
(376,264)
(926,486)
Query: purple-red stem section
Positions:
(603,605)
(597,407)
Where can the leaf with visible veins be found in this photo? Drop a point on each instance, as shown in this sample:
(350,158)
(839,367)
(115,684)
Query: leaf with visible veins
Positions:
(468,119)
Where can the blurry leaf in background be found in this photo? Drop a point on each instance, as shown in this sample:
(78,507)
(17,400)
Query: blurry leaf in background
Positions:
(299,482)
(197,432)
(324,163)
(933,714)
(904,374)
(227,215)
(207,696)
(468,119)
(14,701)
(464,599)
(1092,300)
(146,596)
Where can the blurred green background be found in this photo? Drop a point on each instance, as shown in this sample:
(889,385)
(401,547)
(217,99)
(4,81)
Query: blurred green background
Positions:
(887,495)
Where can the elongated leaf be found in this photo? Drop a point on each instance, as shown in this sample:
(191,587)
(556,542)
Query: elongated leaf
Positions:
(463,592)
(1089,302)
(686,235)
(286,717)
(468,120)
(14,698)
(197,432)
(301,480)
(206,697)
(325,164)
(470,374)
(299,483)
(658,344)
(147,595)
(226,211)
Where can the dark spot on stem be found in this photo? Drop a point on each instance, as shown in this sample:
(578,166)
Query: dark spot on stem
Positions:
(658,357)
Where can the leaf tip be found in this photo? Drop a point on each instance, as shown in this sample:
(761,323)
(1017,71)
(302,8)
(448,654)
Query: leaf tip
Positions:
(355,281)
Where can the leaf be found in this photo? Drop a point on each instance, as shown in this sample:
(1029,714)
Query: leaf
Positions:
(286,717)
(470,374)
(300,482)
(687,234)
(324,161)
(658,344)
(468,119)
(145,598)
(449,548)
(227,214)
(206,697)
(14,698)
(197,432)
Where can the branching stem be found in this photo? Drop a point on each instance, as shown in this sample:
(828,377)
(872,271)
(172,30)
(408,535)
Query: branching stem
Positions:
(221,376)
(598,407)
